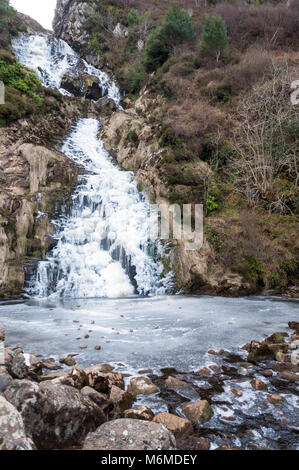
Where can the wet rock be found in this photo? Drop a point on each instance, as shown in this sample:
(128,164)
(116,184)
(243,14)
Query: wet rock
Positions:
(121,399)
(259,352)
(115,378)
(86,336)
(237,392)
(258,384)
(276,338)
(54,375)
(55,416)
(103,368)
(220,352)
(79,376)
(99,399)
(290,376)
(198,412)
(130,434)
(172,382)
(204,371)
(98,347)
(97,379)
(142,386)
(178,426)
(2,333)
(214,367)
(68,360)
(140,412)
(145,371)
(294,325)
(275,399)
(50,365)
(12,430)
(267,373)
(83,346)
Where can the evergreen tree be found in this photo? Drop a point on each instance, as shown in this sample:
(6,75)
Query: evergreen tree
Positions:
(177,28)
(214,39)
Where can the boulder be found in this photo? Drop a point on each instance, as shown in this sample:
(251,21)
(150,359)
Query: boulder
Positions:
(198,412)
(55,416)
(178,426)
(140,412)
(99,368)
(98,380)
(260,352)
(116,379)
(2,333)
(172,382)
(79,377)
(275,399)
(142,386)
(68,360)
(294,325)
(258,384)
(122,400)
(276,338)
(5,378)
(99,399)
(290,376)
(12,431)
(130,434)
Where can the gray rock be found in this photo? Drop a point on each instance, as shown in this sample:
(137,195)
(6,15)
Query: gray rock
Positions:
(130,434)
(55,416)
(5,378)
(12,431)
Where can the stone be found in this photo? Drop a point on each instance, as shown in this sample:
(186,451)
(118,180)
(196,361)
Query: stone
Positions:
(12,430)
(145,371)
(130,434)
(68,360)
(115,378)
(99,399)
(121,399)
(97,347)
(236,392)
(178,426)
(100,368)
(258,384)
(5,378)
(198,412)
(267,373)
(294,325)
(83,346)
(2,333)
(275,399)
(172,382)
(260,352)
(140,412)
(53,376)
(142,386)
(204,371)
(79,376)
(55,416)
(276,338)
(290,376)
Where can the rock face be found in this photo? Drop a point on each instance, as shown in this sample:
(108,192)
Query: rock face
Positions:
(130,434)
(32,179)
(12,431)
(55,416)
(69,21)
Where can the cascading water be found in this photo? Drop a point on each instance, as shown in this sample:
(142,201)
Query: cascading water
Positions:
(103,247)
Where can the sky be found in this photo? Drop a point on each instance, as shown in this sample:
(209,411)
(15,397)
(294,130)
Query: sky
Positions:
(40,10)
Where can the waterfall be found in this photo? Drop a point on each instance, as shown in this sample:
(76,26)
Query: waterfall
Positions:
(103,247)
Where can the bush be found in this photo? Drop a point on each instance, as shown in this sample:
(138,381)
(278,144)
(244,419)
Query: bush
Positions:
(177,28)
(14,75)
(133,17)
(214,39)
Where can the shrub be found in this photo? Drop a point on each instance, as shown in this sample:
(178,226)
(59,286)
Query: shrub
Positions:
(214,39)
(14,75)
(177,28)
(133,17)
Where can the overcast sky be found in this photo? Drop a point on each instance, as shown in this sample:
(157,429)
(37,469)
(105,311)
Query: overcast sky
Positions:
(41,10)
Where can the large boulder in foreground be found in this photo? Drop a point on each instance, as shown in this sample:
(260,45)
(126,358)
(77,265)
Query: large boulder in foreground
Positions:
(130,434)
(12,431)
(142,386)
(55,416)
